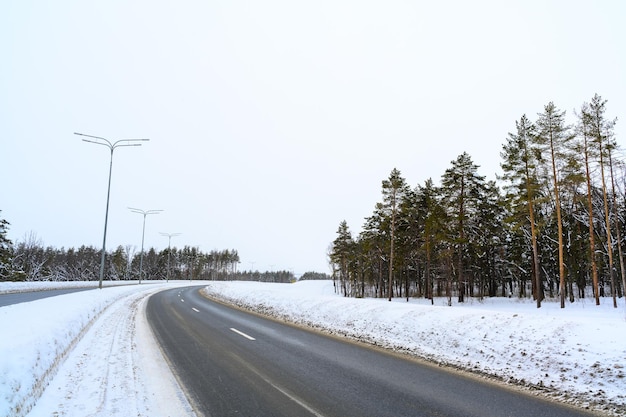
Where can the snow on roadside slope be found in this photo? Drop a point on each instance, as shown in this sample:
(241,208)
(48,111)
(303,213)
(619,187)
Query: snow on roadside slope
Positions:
(88,353)
(113,367)
(576,354)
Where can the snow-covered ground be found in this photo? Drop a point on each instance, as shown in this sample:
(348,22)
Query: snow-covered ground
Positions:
(576,354)
(92,353)
(89,353)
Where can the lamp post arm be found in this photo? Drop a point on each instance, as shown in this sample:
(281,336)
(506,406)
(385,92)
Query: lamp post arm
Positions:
(108,144)
(92,136)
(129,142)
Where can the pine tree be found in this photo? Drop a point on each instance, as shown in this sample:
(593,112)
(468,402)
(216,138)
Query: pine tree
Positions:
(519,164)
(341,254)
(601,130)
(394,190)
(554,137)
(461,188)
(616,215)
(118,263)
(409,226)
(486,237)
(6,251)
(587,150)
(434,229)
(373,240)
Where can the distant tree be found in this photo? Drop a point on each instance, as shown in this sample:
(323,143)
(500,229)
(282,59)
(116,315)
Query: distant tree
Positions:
(341,256)
(314,276)
(129,254)
(29,258)
(30,261)
(151,265)
(88,263)
(118,264)
(6,251)
(220,264)
(70,272)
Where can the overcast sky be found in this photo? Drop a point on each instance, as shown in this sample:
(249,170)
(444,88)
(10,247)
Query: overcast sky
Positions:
(270,122)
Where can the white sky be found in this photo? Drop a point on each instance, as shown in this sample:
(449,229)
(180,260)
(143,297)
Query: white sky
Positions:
(272,121)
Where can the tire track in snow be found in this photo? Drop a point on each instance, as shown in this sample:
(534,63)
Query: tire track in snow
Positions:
(104,375)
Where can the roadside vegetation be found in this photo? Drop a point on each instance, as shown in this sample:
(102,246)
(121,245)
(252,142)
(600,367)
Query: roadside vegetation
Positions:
(550,225)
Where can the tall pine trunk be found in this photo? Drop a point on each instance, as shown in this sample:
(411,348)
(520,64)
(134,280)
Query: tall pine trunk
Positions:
(554,134)
(617,228)
(592,241)
(533,238)
(393,229)
(562,287)
(607,221)
(461,278)
(429,284)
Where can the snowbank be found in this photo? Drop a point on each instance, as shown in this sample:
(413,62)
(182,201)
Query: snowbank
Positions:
(91,335)
(577,354)
(36,340)
(92,352)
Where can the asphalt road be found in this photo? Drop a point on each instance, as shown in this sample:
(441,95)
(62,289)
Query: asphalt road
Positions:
(24,297)
(232,363)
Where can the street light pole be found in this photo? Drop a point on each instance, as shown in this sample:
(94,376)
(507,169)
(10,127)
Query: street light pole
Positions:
(169,251)
(105,142)
(143,232)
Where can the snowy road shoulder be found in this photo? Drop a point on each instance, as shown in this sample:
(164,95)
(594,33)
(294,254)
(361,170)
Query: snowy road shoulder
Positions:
(83,354)
(115,370)
(576,355)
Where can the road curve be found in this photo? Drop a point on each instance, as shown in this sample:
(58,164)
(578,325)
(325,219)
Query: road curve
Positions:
(232,363)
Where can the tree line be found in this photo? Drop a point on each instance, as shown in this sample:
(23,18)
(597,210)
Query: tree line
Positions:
(30,260)
(551,226)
